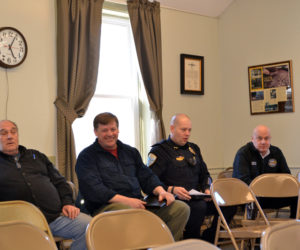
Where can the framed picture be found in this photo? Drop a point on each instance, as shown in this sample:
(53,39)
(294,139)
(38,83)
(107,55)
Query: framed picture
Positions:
(271,88)
(191,74)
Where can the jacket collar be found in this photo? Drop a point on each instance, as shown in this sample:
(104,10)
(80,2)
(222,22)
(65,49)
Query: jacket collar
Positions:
(174,145)
(98,147)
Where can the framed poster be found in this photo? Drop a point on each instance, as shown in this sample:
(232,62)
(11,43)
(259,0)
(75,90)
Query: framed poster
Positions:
(271,88)
(191,74)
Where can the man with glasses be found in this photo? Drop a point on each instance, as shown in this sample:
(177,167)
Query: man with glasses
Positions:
(259,157)
(180,166)
(28,175)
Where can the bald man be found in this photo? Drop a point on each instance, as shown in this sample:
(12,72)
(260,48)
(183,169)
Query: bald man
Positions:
(259,157)
(180,166)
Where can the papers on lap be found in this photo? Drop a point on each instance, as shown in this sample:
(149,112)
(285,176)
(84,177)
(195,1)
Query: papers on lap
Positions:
(198,195)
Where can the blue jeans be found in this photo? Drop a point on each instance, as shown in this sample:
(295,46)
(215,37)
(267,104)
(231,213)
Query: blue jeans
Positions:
(72,229)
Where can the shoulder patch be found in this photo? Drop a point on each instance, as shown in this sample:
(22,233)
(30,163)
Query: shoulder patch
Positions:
(192,150)
(151,159)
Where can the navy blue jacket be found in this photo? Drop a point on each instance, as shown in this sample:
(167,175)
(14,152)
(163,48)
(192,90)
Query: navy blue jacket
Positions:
(101,175)
(179,165)
(248,163)
(33,178)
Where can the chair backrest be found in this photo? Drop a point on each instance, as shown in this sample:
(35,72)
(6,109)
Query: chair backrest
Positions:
(285,235)
(231,191)
(227,173)
(21,235)
(191,244)
(127,229)
(74,190)
(275,185)
(24,211)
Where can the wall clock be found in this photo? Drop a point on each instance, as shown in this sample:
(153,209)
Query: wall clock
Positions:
(13,47)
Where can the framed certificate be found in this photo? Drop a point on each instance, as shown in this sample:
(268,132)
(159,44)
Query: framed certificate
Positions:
(191,74)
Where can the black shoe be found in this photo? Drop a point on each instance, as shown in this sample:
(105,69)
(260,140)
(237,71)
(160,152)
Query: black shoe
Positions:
(209,235)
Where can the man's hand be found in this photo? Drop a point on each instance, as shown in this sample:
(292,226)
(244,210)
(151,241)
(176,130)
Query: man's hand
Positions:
(70,211)
(163,195)
(182,193)
(166,196)
(207,191)
(132,202)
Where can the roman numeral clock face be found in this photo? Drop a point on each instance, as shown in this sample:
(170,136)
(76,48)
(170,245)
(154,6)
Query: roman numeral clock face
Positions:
(13,47)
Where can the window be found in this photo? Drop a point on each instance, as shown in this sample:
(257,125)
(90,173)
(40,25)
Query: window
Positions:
(119,88)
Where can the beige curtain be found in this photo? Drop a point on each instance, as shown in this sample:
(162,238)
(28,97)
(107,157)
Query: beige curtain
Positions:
(145,23)
(78,43)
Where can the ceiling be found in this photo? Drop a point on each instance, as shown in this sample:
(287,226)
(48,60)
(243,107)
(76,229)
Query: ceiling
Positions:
(211,8)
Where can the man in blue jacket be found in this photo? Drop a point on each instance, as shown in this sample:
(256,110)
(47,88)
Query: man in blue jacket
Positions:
(28,175)
(259,157)
(112,175)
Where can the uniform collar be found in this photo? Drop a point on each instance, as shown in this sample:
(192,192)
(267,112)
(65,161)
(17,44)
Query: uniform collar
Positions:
(174,145)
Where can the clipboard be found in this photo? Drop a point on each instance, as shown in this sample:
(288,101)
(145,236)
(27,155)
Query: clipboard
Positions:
(152,201)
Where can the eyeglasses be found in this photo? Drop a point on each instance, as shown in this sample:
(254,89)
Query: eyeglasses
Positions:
(4,132)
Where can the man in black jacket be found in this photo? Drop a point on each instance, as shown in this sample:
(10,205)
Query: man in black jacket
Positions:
(111,176)
(28,175)
(259,157)
(179,165)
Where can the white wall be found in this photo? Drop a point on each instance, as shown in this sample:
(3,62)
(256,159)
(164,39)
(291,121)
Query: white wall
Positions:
(251,33)
(32,85)
(196,35)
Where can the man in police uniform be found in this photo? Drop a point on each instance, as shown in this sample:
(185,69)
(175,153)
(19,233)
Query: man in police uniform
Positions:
(179,165)
(258,157)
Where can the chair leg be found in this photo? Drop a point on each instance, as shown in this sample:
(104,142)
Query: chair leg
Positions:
(252,243)
(242,244)
(218,231)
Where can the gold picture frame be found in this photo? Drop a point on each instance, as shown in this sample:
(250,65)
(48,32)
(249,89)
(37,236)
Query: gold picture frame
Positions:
(271,88)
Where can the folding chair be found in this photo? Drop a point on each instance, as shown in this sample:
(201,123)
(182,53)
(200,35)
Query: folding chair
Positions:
(276,186)
(285,235)
(26,212)
(227,173)
(191,244)
(233,192)
(127,229)
(21,235)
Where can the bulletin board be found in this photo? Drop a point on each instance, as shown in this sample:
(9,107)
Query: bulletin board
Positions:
(271,88)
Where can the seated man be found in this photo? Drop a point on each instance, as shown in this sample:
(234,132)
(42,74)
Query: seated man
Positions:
(28,175)
(111,176)
(259,157)
(180,166)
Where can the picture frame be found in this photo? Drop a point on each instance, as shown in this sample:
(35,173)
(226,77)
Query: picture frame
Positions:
(191,74)
(271,88)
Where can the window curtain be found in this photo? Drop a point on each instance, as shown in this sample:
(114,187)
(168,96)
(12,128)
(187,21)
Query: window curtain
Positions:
(78,44)
(145,22)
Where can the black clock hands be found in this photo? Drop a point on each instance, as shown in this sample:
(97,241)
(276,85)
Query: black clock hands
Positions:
(10,47)
(13,41)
